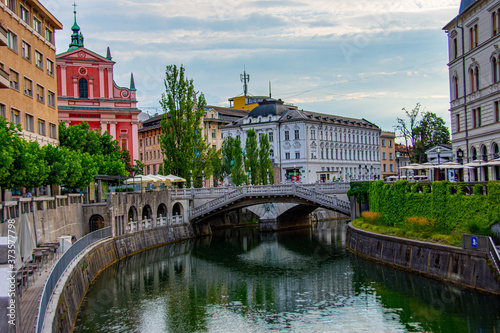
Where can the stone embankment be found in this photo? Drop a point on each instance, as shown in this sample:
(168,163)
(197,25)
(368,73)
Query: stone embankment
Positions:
(463,266)
(75,282)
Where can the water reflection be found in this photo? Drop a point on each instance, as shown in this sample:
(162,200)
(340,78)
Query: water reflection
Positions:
(244,281)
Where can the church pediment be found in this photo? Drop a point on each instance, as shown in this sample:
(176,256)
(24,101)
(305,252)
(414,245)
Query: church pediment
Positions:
(83,54)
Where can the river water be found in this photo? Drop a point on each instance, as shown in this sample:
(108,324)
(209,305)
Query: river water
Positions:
(239,280)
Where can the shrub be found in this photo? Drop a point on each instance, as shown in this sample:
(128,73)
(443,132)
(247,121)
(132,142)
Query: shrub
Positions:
(478,189)
(371,217)
(419,223)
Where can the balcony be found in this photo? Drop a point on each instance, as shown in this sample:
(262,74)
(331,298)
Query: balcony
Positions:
(4,79)
(3,36)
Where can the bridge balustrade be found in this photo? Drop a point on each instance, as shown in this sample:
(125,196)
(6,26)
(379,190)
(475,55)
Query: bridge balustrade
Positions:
(177,219)
(132,226)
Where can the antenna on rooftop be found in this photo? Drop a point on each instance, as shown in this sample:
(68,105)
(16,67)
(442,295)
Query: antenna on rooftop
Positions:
(270,89)
(245,78)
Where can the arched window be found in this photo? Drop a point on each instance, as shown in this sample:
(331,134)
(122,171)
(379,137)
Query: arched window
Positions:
(455,87)
(476,77)
(83,88)
(494,68)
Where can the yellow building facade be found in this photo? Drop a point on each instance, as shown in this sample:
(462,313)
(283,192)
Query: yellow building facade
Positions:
(388,154)
(28,96)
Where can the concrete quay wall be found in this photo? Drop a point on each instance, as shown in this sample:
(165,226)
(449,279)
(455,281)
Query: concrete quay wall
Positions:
(466,267)
(73,286)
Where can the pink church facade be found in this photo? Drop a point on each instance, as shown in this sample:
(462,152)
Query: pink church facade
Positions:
(87,93)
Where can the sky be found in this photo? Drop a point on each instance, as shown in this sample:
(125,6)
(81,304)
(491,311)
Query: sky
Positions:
(361,59)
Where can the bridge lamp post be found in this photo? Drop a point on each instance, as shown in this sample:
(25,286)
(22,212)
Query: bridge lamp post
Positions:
(268,177)
(191,174)
(203,179)
(249,175)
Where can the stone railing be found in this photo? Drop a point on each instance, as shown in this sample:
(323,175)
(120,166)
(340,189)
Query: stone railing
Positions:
(214,192)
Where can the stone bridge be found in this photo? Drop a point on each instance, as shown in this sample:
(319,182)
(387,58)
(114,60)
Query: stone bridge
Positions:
(252,195)
(130,212)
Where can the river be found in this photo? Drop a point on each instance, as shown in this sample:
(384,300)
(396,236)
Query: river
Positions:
(239,280)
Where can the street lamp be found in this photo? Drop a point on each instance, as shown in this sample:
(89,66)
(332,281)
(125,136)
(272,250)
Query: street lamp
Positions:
(398,154)
(438,151)
(191,173)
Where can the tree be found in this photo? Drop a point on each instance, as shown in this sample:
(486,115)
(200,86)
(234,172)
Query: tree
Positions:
(265,160)
(237,173)
(421,133)
(217,167)
(182,141)
(227,155)
(430,132)
(252,156)
(407,130)
(138,168)
(10,144)
(106,152)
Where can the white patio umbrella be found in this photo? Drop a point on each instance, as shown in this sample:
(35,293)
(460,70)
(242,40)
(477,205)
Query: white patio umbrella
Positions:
(26,238)
(476,163)
(450,165)
(175,179)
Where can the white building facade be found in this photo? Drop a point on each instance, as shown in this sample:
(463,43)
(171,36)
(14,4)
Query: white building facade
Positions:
(474,73)
(317,147)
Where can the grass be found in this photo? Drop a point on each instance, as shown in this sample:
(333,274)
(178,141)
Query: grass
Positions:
(417,228)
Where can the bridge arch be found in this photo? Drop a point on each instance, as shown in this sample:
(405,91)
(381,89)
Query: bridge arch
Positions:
(96,222)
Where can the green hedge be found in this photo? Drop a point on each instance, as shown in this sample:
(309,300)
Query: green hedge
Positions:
(446,203)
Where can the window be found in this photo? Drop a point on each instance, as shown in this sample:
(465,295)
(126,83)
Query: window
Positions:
(494,70)
(14,80)
(287,135)
(497,112)
(390,156)
(385,168)
(287,156)
(455,48)
(474,79)
(37,25)
(28,87)
(297,156)
(53,131)
(41,127)
(213,134)
(3,112)
(391,167)
(296,134)
(383,156)
(50,67)
(49,35)
(15,116)
(39,59)
(455,86)
(322,154)
(321,135)
(40,93)
(83,88)
(51,99)
(24,14)
(473,36)
(457,118)
(313,135)
(140,144)
(26,50)
(12,41)
(476,117)
(29,122)
(11,4)
(271,136)
(390,143)
(383,142)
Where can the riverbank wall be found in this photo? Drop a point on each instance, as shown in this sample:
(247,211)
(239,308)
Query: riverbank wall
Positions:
(73,286)
(466,267)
